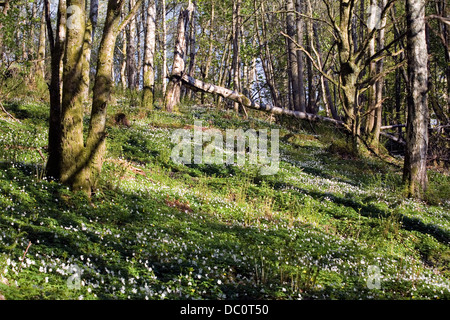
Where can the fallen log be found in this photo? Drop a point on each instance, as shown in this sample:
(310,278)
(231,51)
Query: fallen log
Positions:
(198,85)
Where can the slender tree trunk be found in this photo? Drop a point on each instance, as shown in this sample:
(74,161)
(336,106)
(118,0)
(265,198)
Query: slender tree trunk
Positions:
(40,66)
(372,100)
(266,56)
(252,71)
(149,52)
(445,12)
(5,10)
(140,28)
(94,151)
(300,64)
(205,72)
(292,55)
(379,65)
(192,46)
(123,63)
(398,100)
(328,99)
(225,62)
(31,50)
(164,48)
(236,48)
(131,52)
(311,106)
(87,47)
(56,43)
(415,167)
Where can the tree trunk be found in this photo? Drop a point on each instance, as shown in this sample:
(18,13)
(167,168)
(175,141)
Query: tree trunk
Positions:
(149,52)
(236,48)
(173,93)
(73,96)
(132,75)
(87,46)
(378,86)
(293,71)
(123,62)
(311,106)
(328,99)
(266,56)
(4,12)
(40,65)
(94,151)
(164,48)
(223,70)
(349,71)
(192,46)
(372,100)
(205,70)
(300,64)
(53,166)
(415,166)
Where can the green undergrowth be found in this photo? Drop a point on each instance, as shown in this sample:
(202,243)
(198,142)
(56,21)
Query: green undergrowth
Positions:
(160,230)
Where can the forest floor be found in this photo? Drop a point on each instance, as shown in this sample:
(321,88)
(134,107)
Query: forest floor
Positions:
(327,225)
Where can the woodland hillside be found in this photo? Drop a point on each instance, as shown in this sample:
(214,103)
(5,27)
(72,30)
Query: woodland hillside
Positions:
(224,150)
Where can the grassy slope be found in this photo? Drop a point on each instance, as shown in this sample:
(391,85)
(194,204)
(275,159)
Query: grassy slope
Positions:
(161,230)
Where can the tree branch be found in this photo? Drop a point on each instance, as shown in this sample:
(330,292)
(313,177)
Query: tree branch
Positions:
(130,15)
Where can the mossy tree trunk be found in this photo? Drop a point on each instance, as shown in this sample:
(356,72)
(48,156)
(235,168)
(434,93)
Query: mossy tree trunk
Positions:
(415,166)
(76,164)
(72,142)
(349,72)
(94,151)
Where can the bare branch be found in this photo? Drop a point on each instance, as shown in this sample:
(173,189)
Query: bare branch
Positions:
(130,15)
(316,66)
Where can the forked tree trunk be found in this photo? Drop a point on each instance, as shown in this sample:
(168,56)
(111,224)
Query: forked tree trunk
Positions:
(79,167)
(415,166)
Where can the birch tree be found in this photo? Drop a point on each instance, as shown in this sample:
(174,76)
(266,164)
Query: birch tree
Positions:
(149,54)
